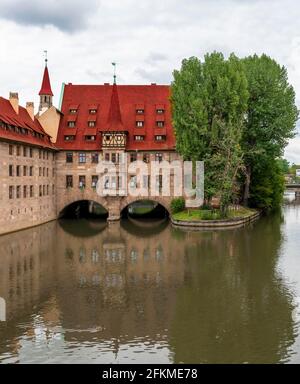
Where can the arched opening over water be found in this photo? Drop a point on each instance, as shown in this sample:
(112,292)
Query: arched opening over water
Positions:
(84,209)
(145,209)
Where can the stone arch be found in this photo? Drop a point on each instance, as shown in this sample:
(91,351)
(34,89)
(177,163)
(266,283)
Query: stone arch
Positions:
(69,204)
(163,201)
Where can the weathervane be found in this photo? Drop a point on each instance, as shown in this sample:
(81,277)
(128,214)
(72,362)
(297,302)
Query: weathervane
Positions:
(115,76)
(46,57)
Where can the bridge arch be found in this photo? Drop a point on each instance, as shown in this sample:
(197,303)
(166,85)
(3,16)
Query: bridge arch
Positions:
(82,209)
(142,206)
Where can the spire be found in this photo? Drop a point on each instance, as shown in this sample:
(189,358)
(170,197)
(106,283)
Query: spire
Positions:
(114,116)
(46,86)
(115,76)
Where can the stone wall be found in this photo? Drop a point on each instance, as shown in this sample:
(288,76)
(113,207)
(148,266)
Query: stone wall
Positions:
(23,210)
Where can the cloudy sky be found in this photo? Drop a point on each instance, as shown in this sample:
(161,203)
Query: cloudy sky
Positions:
(148,39)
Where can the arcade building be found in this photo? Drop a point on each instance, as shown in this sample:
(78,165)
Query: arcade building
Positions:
(48,160)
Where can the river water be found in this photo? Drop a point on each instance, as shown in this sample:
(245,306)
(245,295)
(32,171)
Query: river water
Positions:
(144,292)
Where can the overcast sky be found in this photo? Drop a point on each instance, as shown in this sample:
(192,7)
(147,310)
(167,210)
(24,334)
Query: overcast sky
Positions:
(148,39)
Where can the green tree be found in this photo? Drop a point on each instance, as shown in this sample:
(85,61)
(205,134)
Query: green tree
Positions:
(271,117)
(209,101)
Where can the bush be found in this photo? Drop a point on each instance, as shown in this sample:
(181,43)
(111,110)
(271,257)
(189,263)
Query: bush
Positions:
(177,205)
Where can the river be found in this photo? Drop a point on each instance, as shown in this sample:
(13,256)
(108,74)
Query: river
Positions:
(144,292)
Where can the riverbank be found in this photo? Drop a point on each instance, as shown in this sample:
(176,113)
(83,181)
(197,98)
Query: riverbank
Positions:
(209,219)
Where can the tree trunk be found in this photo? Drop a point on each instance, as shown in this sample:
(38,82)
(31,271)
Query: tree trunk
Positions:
(247,185)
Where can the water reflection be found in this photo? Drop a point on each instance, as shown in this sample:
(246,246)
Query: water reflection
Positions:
(145,292)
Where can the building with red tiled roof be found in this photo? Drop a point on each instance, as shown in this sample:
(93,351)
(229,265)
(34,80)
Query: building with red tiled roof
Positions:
(141,112)
(49,160)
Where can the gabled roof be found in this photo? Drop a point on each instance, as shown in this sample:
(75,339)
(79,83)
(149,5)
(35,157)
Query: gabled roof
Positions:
(22,120)
(46,86)
(117,111)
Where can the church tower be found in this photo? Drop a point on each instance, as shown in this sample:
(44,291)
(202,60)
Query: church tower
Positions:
(45,93)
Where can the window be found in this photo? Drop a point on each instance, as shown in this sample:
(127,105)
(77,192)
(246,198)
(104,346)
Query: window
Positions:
(94,181)
(24,151)
(73,111)
(114,157)
(132,181)
(158,157)
(31,191)
(44,190)
(43,171)
(18,191)
(40,190)
(40,153)
(24,170)
(82,157)
(160,124)
(139,123)
(69,137)
(120,184)
(30,152)
(11,170)
(11,192)
(47,190)
(95,158)
(160,138)
(159,111)
(69,181)
(133,157)
(93,111)
(44,155)
(18,150)
(81,181)
(18,170)
(25,191)
(91,123)
(146,181)
(107,157)
(40,171)
(71,124)
(90,137)
(146,157)
(47,172)
(140,111)
(31,171)
(139,138)
(69,157)
(11,149)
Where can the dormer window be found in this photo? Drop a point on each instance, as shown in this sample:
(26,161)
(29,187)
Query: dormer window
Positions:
(159,111)
(139,138)
(139,123)
(139,111)
(69,138)
(71,124)
(91,123)
(73,111)
(160,138)
(160,124)
(90,137)
(93,111)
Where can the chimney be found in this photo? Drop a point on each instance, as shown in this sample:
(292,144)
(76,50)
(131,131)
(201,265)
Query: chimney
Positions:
(14,101)
(30,109)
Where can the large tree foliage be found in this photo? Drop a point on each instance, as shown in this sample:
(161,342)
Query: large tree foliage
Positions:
(271,114)
(209,102)
(235,115)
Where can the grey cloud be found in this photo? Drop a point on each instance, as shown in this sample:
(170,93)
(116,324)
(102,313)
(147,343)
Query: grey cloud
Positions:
(66,15)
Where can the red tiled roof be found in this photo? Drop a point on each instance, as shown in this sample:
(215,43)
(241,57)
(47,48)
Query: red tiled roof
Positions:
(116,111)
(21,120)
(46,86)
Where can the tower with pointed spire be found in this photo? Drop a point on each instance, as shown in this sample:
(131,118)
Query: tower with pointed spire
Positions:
(45,93)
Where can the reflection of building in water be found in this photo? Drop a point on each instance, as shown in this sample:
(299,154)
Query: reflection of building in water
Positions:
(26,268)
(119,281)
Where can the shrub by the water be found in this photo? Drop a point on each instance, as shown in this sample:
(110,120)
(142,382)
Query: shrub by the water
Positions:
(177,205)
